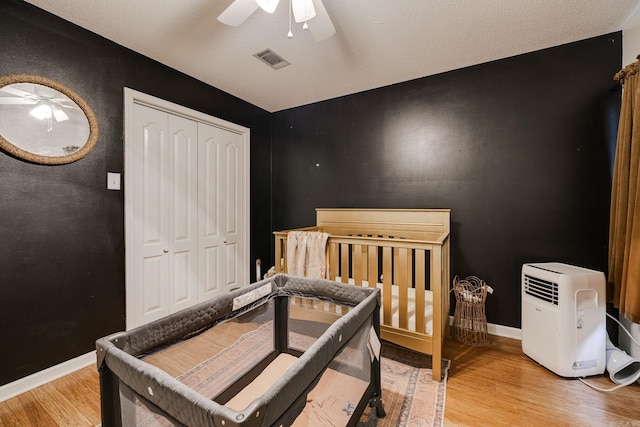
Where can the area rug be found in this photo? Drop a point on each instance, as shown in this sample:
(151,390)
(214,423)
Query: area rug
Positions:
(409,395)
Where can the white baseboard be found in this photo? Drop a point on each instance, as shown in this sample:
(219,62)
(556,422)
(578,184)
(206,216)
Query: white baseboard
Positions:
(32,381)
(499,330)
(504,331)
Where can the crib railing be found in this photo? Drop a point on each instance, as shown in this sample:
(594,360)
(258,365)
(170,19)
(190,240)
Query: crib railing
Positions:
(400,263)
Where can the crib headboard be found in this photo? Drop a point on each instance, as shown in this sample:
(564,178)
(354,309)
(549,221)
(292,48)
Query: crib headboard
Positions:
(420,224)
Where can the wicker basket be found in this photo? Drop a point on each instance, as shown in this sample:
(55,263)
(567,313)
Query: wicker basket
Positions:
(469,320)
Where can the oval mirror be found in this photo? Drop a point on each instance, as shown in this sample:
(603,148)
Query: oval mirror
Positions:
(43,121)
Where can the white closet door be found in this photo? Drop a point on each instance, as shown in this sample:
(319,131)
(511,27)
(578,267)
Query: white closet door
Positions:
(186,207)
(220,178)
(165,241)
(147,235)
(182,239)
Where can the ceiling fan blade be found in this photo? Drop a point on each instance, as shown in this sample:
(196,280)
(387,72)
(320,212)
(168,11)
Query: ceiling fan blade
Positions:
(13,90)
(321,26)
(238,12)
(6,100)
(303,10)
(268,6)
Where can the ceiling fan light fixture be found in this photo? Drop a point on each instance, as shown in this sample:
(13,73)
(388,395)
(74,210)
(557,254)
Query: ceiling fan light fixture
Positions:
(268,6)
(320,26)
(41,112)
(303,10)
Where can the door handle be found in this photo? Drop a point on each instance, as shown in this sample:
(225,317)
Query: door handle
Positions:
(166,251)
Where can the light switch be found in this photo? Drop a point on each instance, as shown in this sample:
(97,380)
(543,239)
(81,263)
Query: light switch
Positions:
(113,181)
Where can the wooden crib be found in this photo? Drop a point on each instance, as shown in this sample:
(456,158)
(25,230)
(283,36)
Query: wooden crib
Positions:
(401,251)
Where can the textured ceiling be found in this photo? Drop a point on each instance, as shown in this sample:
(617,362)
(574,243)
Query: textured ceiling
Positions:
(377,42)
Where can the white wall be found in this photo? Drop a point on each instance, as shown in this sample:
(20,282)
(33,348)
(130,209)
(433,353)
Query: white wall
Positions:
(631,40)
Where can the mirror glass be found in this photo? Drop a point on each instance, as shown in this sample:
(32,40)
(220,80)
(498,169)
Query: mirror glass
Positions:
(43,121)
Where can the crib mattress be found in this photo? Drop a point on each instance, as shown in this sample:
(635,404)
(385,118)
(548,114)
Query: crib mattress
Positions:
(411,308)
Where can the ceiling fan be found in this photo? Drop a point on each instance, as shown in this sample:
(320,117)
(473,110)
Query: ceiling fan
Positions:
(311,12)
(47,103)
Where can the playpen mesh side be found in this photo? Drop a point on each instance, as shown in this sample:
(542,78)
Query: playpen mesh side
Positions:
(170,402)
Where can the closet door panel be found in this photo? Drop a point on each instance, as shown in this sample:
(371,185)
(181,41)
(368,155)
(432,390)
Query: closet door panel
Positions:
(149,220)
(183,212)
(211,269)
(232,203)
(153,287)
(211,213)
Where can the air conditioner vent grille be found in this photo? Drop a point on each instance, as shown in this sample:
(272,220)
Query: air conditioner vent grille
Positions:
(272,59)
(541,289)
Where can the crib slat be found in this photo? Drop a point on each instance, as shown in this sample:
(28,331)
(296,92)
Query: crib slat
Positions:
(446,280)
(333,262)
(372,274)
(344,263)
(436,288)
(356,255)
(387,255)
(396,255)
(402,269)
(365,261)
(281,256)
(410,269)
(420,291)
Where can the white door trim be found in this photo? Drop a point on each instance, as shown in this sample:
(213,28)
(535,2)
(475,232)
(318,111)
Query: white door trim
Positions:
(132,96)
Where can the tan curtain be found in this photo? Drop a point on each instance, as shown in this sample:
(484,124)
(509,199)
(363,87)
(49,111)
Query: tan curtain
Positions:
(623,283)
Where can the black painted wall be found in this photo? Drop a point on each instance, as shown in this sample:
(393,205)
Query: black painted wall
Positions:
(61,230)
(518,149)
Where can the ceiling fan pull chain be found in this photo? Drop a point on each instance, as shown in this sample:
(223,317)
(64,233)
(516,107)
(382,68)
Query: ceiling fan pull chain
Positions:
(290,34)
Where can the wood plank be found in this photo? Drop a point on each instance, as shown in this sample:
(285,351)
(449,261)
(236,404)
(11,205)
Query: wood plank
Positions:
(420,287)
(280,254)
(59,405)
(356,264)
(27,410)
(387,296)
(333,260)
(81,390)
(436,289)
(372,274)
(344,263)
(424,224)
(402,269)
(7,416)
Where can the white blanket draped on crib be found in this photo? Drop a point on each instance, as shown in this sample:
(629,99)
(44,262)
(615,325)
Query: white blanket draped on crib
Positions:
(306,254)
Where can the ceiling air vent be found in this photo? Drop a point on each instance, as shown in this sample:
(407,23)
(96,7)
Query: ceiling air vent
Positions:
(272,59)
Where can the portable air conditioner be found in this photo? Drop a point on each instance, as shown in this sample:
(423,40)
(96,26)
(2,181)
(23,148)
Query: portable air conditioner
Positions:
(563,318)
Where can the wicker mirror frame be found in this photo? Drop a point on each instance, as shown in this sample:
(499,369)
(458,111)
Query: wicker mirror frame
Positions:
(33,157)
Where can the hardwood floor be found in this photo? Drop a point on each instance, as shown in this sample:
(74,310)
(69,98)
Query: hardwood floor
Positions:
(495,385)
(498,385)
